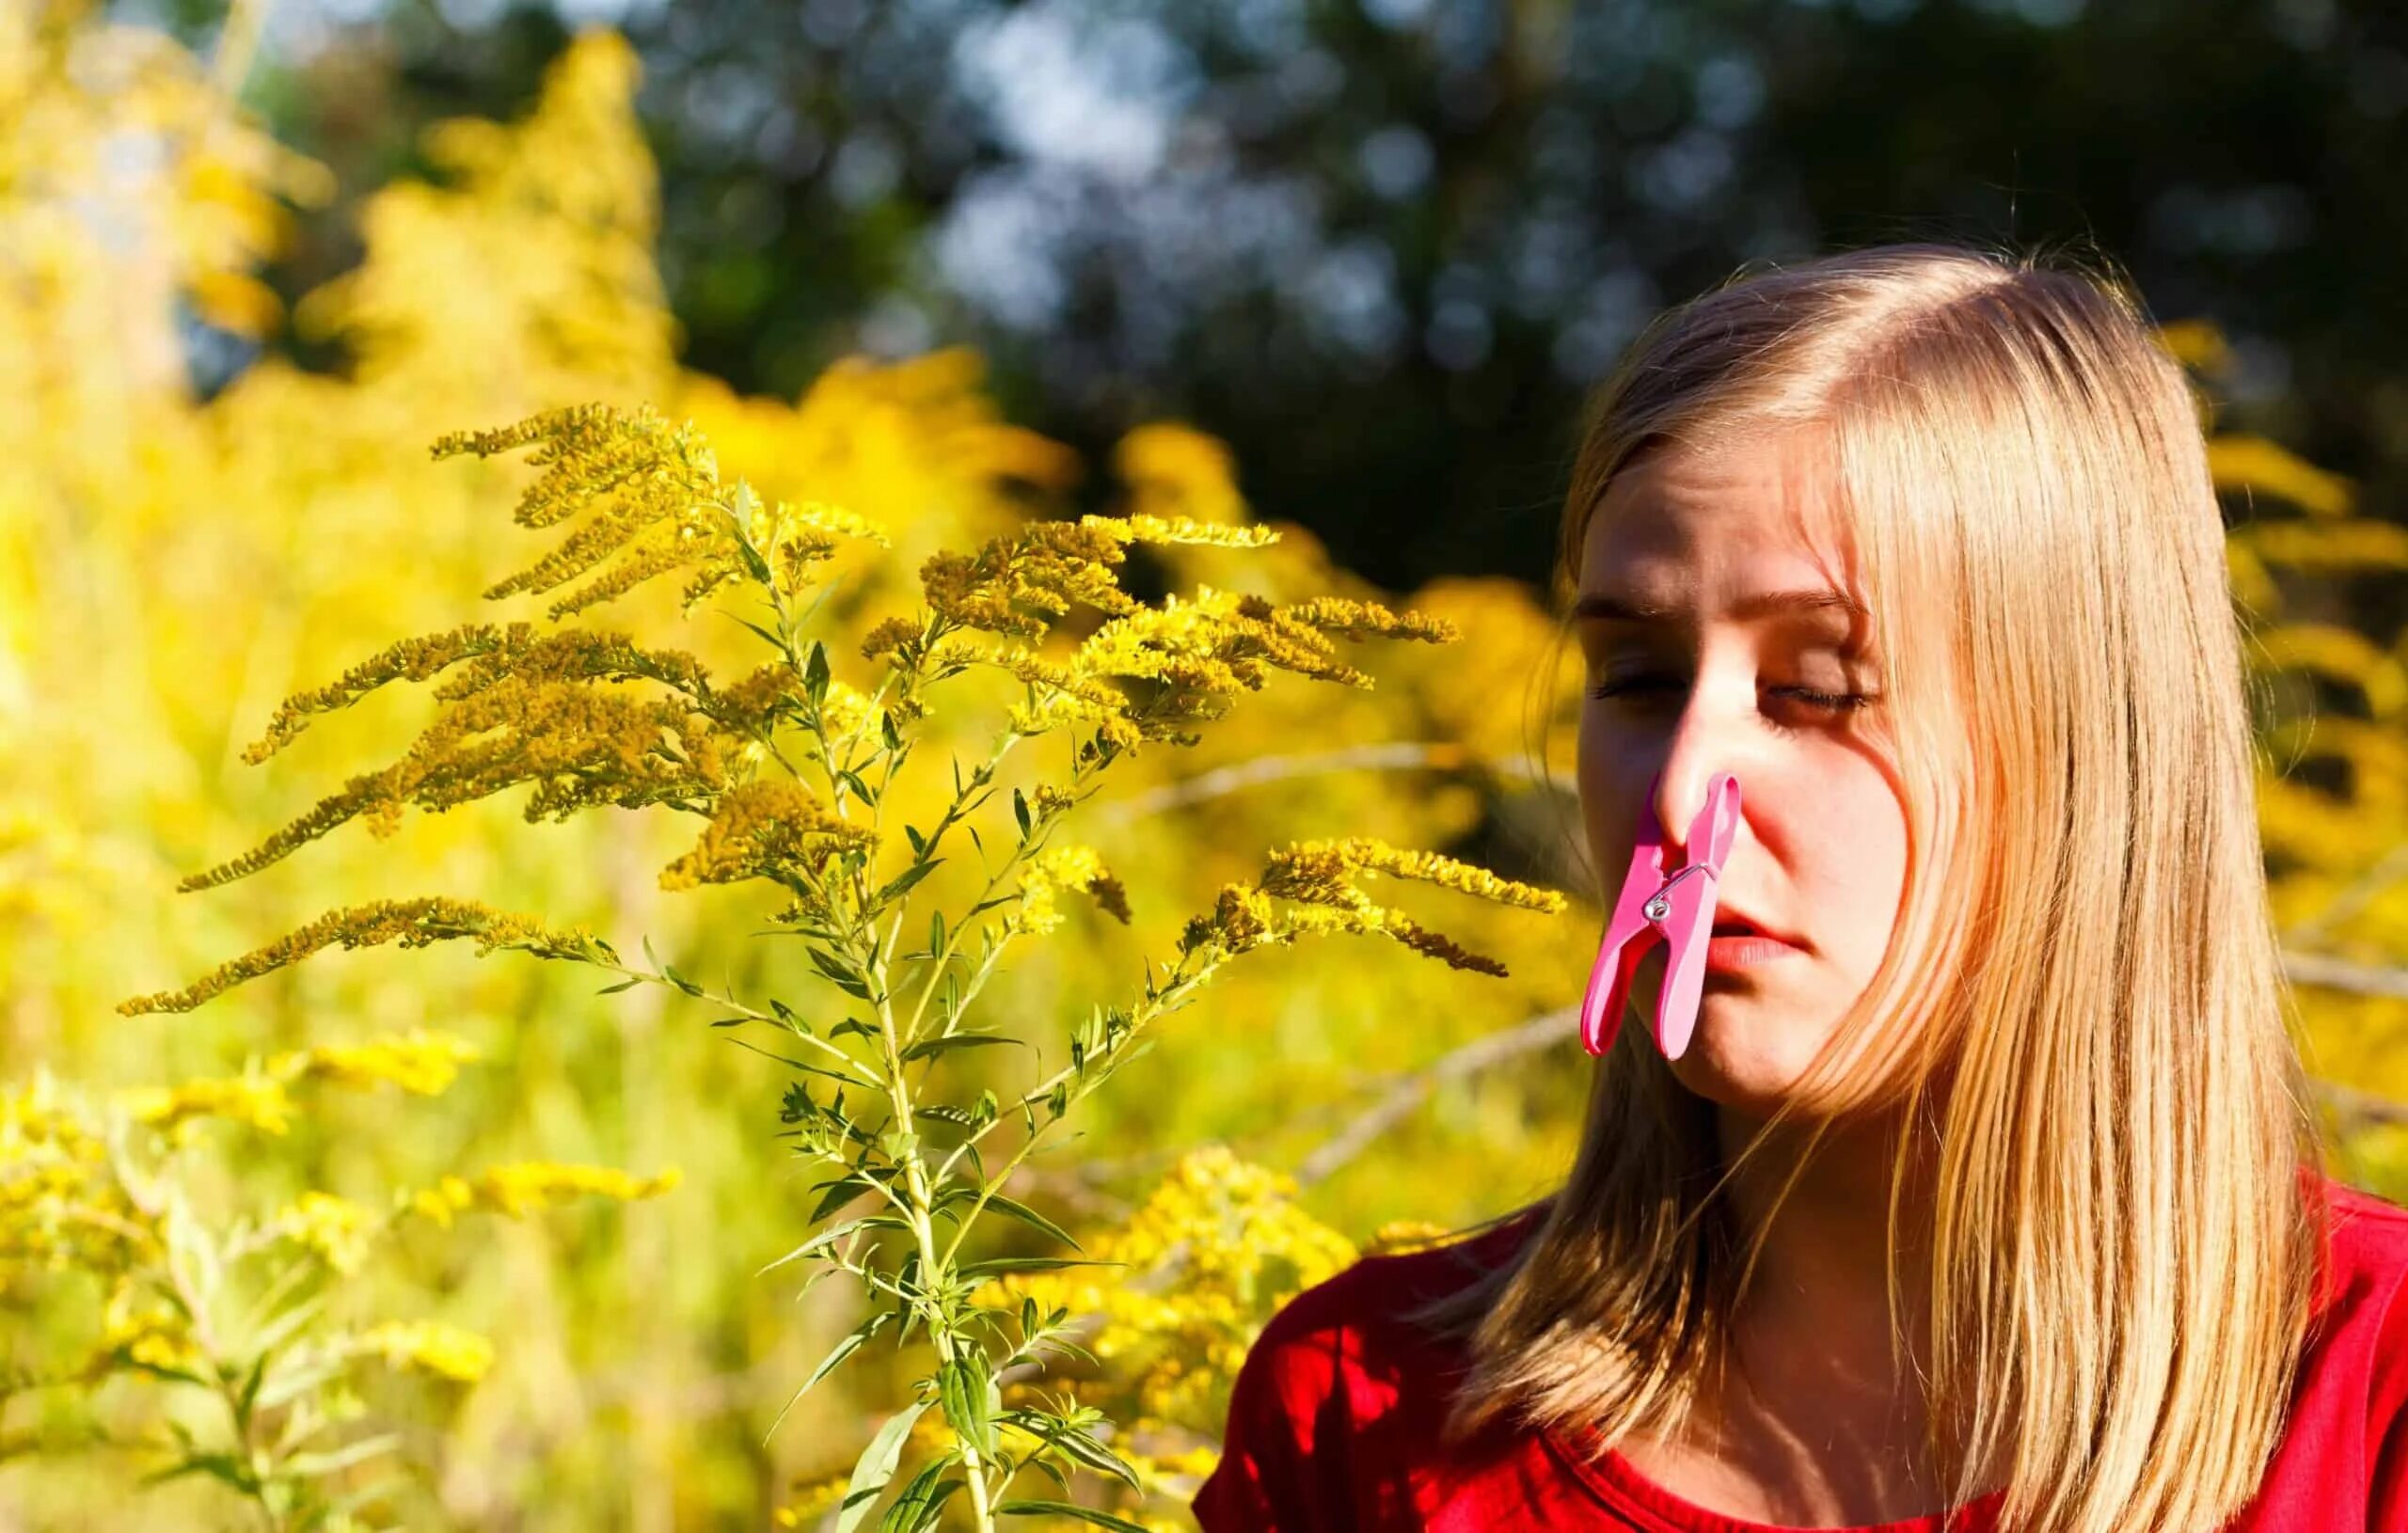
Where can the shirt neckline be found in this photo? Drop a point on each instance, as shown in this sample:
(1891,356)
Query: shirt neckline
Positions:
(1618,1483)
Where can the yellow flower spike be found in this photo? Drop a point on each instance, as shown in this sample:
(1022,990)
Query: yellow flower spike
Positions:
(1241,1248)
(815,1500)
(1064,868)
(432,1347)
(763,828)
(1177,529)
(423,1063)
(1403,1235)
(530,1185)
(889,635)
(1369,619)
(335,1228)
(439,1203)
(412,923)
(258,1101)
(166,1351)
(1431,867)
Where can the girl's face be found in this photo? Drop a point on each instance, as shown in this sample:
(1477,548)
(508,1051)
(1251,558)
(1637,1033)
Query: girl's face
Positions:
(1722,633)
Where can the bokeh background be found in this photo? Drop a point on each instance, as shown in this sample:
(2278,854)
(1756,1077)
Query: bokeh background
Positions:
(1343,267)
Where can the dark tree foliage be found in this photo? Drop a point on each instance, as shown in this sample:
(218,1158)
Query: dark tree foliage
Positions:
(1383,246)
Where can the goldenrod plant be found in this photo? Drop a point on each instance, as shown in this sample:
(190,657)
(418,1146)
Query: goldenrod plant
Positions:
(241,1322)
(2333,786)
(791,770)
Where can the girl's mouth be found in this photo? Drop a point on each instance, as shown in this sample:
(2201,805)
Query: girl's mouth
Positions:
(1738,944)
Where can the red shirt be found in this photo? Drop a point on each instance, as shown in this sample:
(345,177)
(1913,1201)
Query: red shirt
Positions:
(1334,1417)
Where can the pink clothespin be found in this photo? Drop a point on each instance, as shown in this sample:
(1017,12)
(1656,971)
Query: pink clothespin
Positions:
(1676,911)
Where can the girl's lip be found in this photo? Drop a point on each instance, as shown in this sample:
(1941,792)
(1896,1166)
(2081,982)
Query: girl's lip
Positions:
(1743,949)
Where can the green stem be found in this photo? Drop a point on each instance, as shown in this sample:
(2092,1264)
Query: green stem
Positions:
(933,1269)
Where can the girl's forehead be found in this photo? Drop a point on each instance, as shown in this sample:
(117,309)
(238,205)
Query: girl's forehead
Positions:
(1763,508)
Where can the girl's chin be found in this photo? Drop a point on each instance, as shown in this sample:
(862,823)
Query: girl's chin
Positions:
(1729,1063)
(1755,1088)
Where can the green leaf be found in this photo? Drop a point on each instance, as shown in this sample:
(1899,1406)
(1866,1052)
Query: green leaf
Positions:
(1071,1510)
(875,1466)
(774,641)
(1020,811)
(931,1048)
(1075,1443)
(919,843)
(807,1068)
(936,933)
(229,1468)
(837,1232)
(853,1027)
(786,1014)
(287,1323)
(250,1392)
(850,1344)
(904,881)
(887,730)
(835,1194)
(961,1384)
(999,1265)
(623,985)
(916,1509)
(1027,1215)
(840,973)
(331,1460)
(834,965)
(815,673)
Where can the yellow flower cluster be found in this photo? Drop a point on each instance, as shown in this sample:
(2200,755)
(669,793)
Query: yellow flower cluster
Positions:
(59,1204)
(420,1062)
(433,1347)
(846,711)
(1317,875)
(412,660)
(1318,870)
(656,503)
(1015,584)
(1154,672)
(257,1100)
(527,1186)
(791,539)
(653,490)
(524,708)
(412,923)
(1213,1252)
(1399,1236)
(762,830)
(338,1229)
(813,1500)
(1064,868)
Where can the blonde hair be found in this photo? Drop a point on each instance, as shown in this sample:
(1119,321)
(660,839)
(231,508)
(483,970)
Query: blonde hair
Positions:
(2109,1107)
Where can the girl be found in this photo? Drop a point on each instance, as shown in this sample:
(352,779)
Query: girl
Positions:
(1984,1195)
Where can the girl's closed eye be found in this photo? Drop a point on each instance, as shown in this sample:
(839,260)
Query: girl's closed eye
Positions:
(1648,682)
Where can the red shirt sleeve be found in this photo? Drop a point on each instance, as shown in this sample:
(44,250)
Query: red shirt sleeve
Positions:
(2387,1422)
(1283,1454)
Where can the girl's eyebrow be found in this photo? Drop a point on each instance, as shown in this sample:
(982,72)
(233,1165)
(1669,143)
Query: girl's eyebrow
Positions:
(1603,605)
